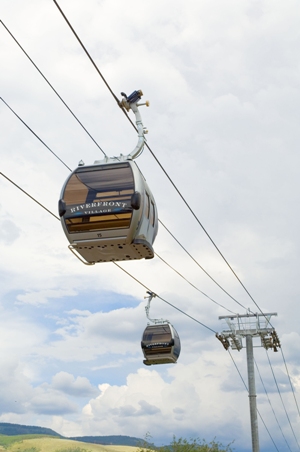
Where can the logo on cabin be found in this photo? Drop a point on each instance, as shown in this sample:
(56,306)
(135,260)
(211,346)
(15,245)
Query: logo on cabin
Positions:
(93,208)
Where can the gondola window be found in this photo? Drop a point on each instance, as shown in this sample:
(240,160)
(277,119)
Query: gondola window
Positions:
(99,198)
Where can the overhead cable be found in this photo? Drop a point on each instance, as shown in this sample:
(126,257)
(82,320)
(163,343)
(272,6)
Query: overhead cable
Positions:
(203,269)
(53,89)
(27,194)
(292,387)
(191,284)
(87,53)
(267,395)
(167,302)
(278,390)
(26,125)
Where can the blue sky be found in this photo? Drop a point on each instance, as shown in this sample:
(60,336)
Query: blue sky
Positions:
(223,83)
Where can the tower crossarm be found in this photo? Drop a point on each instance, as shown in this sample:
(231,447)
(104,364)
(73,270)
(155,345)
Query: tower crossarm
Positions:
(254,325)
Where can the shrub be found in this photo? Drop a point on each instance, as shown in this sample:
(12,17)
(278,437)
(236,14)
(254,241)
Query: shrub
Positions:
(184,445)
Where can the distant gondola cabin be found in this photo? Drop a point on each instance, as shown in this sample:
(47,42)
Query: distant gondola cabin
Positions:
(160,344)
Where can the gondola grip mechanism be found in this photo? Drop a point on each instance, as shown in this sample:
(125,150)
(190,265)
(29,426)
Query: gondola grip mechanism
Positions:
(131,103)
(147,309)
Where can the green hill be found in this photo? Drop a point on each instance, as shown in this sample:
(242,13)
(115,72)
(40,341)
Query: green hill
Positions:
(118,440)
(16,429)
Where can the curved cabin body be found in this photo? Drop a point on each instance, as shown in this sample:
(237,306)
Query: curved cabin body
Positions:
(108,212)
(160,344)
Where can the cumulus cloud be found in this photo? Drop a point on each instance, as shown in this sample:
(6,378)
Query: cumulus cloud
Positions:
(145,408)
(80,387)
(52,404)
(97,334)
(19,396)
(178,404)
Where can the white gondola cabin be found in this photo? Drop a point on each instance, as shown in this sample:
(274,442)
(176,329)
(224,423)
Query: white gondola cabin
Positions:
(107,210)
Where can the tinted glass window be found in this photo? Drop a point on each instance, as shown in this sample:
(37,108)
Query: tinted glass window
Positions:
(99,198)
(157,334)
(157,350)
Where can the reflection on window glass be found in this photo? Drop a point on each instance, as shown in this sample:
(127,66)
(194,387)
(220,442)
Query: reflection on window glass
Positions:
(85,224)
(159,333)
(102,182)
(75,191)
(157,350)
(99,198)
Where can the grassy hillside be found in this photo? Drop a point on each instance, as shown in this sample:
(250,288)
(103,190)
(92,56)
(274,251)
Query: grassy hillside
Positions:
(18,429)
(6,441)
(119,440)
(39,443)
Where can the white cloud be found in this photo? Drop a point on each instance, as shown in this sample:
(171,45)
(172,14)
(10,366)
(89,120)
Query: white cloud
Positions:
(51,403)
(43,296)
(80,387)
(178,404)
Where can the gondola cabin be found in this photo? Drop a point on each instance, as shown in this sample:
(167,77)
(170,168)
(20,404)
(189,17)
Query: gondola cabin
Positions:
(160,344)
(108,212)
